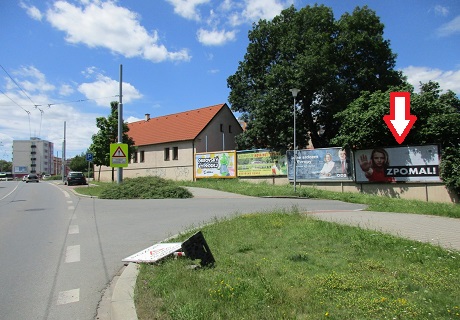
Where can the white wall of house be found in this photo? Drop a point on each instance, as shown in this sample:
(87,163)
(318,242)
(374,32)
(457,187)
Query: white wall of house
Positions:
(151,160)
(219,134)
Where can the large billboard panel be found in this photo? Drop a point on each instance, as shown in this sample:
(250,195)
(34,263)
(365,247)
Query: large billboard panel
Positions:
(21,169)
(325,164)
(398,164)
(256,163)
(219,164)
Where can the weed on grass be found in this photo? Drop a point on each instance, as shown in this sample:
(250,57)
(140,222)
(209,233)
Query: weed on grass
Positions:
(284,265)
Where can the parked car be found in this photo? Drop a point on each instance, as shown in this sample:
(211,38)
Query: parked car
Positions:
(24,178)
(32,178)
(74,178)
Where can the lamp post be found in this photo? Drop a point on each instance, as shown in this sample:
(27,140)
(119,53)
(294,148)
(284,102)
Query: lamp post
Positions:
(294,95)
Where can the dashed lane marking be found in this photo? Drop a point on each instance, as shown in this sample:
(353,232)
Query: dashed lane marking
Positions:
(72,254)
(68,296)
(74,229)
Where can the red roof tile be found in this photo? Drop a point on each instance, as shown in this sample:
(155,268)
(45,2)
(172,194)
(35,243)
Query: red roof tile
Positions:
(174,127)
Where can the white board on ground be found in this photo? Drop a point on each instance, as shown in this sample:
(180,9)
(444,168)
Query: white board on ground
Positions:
(154,253)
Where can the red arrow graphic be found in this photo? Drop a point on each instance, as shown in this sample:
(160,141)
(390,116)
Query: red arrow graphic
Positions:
(399,121)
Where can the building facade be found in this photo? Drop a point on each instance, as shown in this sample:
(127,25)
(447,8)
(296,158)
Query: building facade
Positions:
(32,156)
(166,145)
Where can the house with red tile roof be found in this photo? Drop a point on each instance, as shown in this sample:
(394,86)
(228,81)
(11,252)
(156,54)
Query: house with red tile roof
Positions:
(166,145)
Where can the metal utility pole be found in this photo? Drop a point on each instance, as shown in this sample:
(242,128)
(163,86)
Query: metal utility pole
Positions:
(294,95)
(63,157)
(120,123)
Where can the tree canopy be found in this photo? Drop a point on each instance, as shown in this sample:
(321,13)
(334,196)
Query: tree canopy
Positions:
(107,134)
(330,61)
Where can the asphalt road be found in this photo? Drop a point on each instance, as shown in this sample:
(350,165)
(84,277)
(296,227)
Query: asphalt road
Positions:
(59,251)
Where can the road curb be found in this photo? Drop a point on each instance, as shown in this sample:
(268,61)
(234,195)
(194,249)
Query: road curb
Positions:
(122,305)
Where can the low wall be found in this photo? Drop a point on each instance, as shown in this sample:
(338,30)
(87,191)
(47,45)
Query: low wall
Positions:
(433,192)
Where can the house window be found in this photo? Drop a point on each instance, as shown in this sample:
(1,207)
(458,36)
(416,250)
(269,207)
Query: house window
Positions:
(221,127)
(229,129)
(167,154)
(142,156)
(176,153)
(134,157)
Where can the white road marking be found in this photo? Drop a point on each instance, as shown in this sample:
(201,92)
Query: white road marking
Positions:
(11,192)
(74,229)
(71,207)
(68,296)
(72,254)
(69,201)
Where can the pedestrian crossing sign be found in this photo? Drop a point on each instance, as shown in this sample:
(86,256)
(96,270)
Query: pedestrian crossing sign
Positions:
(118,155)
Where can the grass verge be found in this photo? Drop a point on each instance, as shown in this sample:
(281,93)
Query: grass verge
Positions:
(288,266)
(375,203)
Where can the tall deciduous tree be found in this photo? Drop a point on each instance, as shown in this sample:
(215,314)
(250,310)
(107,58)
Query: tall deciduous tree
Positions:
(107,134)
(330,61)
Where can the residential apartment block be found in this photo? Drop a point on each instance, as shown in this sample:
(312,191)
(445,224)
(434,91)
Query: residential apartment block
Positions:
(32,156)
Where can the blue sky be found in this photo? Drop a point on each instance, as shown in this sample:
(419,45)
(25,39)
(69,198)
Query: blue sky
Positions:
(60,60)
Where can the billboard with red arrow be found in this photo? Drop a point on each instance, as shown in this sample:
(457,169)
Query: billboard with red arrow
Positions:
(399,121)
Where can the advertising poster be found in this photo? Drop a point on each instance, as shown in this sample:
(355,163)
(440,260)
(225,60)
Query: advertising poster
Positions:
(215,165)
(255,163)
(410,164)
(324,164)
(21,169)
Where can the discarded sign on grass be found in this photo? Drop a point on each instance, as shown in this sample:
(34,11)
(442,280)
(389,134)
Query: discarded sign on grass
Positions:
(154,253)
(194,248)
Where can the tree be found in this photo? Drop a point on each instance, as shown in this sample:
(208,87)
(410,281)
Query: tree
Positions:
(6,166)
(438,117)
(330,61)
(107,134)
(79,163)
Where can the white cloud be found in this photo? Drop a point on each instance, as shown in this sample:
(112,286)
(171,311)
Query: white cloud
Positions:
(31,80)
(187,8)
(262,9)
(450,28)
(66,90)
(446,79)
(104,24)
(441,10)
(215,37)
(32,11)
(104,90)
(25,120)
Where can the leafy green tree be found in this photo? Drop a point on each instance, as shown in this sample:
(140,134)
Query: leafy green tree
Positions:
(107,134)
(330,61)
(6,166)
(79,163)
(438,117)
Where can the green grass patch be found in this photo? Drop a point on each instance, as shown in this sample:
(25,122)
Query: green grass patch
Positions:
(288,266)
(136,188)
(374,202)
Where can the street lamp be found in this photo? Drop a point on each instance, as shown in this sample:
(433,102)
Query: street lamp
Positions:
(294,94)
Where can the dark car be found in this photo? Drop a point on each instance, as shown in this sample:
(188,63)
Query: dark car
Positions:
(74,178)
(32,178)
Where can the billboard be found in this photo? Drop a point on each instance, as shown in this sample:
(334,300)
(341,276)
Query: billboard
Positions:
(325,164)
(21,169)
(256,163)
(398,164)
(220,164)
